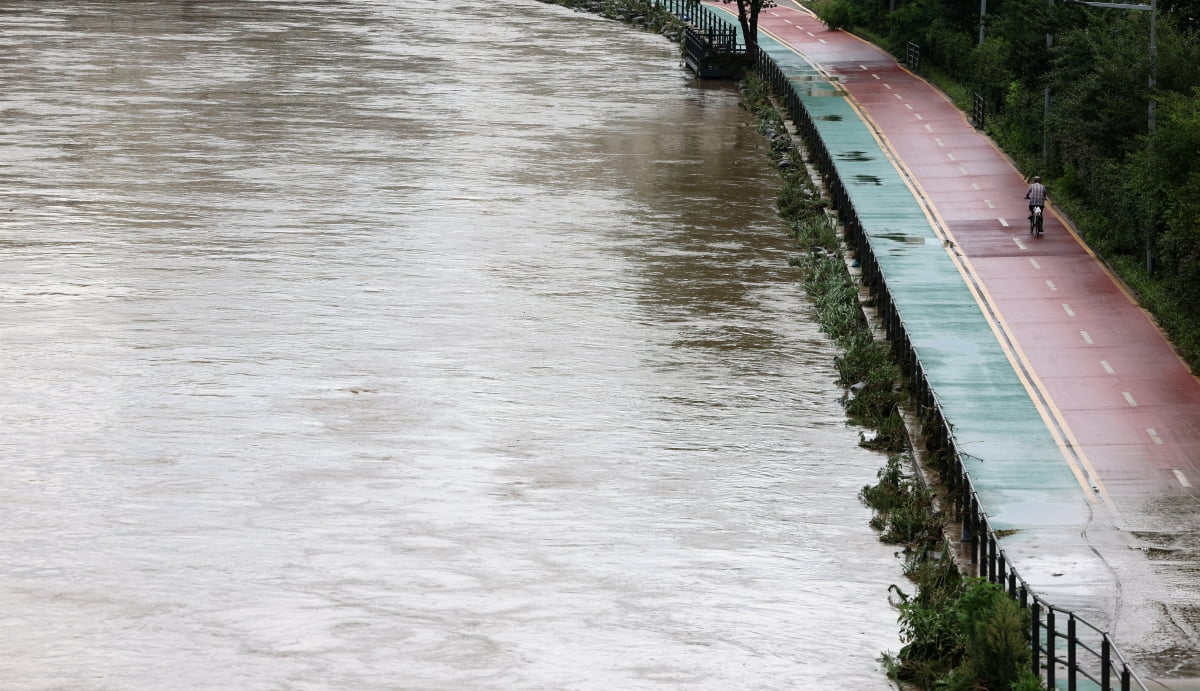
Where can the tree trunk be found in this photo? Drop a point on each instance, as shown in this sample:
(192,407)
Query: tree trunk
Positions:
(748,19)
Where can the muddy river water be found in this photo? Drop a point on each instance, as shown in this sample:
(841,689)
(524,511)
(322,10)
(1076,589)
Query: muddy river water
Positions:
(370,344)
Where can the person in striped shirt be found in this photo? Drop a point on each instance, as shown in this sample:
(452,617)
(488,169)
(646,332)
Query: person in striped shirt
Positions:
(1036,194)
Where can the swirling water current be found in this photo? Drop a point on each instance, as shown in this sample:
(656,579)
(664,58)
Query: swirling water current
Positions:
(408,345)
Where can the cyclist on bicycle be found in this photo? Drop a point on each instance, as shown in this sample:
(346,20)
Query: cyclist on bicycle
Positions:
(1036,194)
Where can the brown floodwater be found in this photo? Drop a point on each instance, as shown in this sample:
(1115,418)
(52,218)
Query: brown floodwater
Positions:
(379,345)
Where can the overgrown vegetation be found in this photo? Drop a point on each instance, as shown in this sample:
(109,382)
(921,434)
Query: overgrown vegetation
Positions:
(959,634)
(969,638)
(1132,189)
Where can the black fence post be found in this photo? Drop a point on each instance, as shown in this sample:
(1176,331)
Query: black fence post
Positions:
(973,516)
(1071,666)
(979,559)
(1035,636)
(1050,660)
(992,549)
(964,499)
(1105,664)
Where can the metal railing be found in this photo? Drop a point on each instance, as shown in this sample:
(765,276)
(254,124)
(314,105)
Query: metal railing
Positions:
(977,110)
(1086,651)
(705,21)
(708,38)
(1081,651)
(701,44)
(912,56)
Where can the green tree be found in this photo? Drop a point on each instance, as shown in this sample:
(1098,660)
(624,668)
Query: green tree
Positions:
(1168,172)
(1022,25)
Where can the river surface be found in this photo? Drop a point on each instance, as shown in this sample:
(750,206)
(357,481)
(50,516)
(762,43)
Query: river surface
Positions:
(408,345)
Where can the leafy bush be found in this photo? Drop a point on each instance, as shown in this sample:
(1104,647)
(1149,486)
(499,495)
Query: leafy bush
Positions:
(993,627)
(972,639)
(903,509)
(839,14)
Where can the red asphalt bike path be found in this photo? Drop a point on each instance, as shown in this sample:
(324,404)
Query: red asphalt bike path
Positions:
(1123,405)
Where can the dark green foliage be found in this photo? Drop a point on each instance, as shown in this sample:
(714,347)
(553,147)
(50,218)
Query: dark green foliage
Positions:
(890,433)
(842,14)
(993,627)
(967,637)
(798,201)
(1132,195)
(958,634)
(903,508)
(989,74)
(641,12)
(889,493)
(867,365)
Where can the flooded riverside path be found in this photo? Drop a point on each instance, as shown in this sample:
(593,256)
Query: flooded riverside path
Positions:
(373,345)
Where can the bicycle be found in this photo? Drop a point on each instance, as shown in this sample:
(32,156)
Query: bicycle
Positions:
(1035,222)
